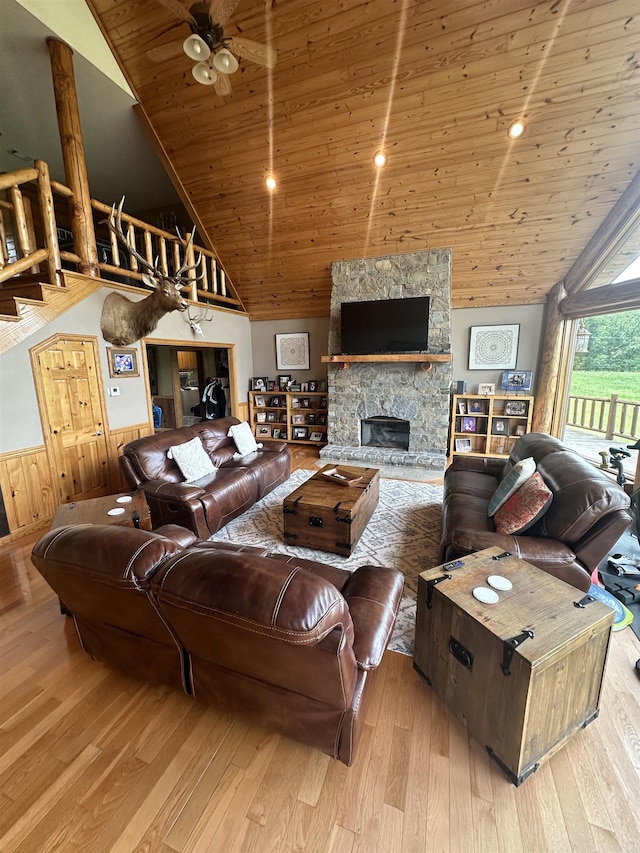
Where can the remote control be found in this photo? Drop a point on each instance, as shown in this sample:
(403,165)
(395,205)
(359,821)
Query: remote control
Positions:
(455,564)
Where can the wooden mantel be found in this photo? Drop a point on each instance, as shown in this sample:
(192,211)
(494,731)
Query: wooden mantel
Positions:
(424,359)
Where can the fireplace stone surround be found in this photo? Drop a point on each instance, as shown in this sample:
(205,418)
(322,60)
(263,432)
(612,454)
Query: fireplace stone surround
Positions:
(392,389)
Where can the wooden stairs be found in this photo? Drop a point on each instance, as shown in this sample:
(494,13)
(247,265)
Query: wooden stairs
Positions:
(27,305)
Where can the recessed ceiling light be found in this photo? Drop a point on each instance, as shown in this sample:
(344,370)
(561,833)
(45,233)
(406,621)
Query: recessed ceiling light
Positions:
(271,183)
(379,159)
(516,129)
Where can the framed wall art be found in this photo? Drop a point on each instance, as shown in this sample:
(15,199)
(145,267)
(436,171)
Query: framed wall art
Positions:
(516,380)
(122,362)
(292,351)
(493,347)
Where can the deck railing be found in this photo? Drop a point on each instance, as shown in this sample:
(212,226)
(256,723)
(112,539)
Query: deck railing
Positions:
(29,242)
(609,416)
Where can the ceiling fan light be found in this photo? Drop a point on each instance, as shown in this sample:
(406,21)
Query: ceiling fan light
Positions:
(271,182)
(379,159)
(196,48)
(204,74)
(225,61)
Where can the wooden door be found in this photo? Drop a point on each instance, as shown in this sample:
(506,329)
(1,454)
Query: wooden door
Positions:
(72,412)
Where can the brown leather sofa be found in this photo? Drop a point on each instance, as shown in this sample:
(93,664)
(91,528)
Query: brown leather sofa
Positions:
(214,500)
(292,644)
(586,517)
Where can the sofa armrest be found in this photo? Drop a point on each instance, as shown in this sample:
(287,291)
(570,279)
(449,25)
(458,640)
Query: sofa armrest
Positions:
(480,464)
(164,491)
(373,594)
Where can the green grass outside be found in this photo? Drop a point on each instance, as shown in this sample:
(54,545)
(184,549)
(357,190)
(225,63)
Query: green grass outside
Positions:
(604,383)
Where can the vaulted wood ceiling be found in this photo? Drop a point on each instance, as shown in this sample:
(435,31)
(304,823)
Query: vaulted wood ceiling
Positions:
(436,84)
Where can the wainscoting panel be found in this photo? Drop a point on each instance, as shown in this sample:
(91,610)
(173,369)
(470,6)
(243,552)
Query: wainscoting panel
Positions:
(118,439)
(27,491)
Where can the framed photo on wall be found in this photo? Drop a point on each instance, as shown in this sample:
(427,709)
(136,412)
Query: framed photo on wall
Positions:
(493,347)
(516,380)
(123,362)
(292,351)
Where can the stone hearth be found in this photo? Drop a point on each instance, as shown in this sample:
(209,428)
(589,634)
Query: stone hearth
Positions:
(394,390)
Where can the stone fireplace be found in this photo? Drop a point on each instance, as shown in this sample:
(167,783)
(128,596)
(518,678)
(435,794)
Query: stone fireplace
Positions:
(392,412)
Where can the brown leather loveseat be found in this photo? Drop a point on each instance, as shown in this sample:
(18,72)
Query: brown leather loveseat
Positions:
(292,644)
(586,516)
(206,505)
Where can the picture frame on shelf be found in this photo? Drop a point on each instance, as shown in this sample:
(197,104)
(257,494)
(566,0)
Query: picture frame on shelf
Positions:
(322,385)
(305,402)
(259,383)
(476,407)
(463,445)
(516,407)
(271,416)
(258,401)
(276,433)
(462,407)
(487,389)
(313,385)
(295,403)
(323,403)
(292,351)
(284,381)
(315,436)
(519,430)
(311,418)
(263,432)
(304,387)
(283,435)
(297,419)
(300,432)
(499,426)
(469,424)
(275,402)
(272,385)
(493,347)
(322,420)
(261,417)
(518,381)
(123,361)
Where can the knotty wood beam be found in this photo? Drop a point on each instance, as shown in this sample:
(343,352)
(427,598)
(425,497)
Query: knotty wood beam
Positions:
(553,357)
(623,218)
(75,166)
(602,300)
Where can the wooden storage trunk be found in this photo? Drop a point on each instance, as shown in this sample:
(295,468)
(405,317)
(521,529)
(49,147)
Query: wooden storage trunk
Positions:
(328,516)
(523,675)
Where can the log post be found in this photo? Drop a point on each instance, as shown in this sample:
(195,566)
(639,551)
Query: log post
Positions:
(45,198)
(75,166)
(555,357)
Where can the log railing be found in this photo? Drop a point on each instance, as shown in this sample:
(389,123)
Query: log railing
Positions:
(29,242)
(607,416)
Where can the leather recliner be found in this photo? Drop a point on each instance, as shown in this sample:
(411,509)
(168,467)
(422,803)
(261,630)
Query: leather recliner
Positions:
(293,644)
(214,500)
(587,515)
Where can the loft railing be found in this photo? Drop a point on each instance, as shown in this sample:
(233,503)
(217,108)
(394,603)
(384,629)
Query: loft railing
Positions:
(607,416)
(34,211)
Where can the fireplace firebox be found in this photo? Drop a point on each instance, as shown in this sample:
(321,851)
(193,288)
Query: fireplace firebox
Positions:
(385,432)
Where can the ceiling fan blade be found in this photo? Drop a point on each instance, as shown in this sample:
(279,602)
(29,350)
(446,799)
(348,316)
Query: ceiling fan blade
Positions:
(222,84)
(164,52)
(178,10)
(261,54)
(221,10)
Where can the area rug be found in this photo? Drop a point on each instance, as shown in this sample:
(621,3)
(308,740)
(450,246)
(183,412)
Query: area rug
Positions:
(403,533)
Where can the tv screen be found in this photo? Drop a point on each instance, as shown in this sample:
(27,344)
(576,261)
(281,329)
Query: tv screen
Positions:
(384,326)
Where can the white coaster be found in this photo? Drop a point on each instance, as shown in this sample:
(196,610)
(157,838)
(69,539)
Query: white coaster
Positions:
(498,582)
(116,511)
(486,596)
(124,499)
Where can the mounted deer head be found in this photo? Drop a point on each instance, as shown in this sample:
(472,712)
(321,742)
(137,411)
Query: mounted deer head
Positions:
(123,322)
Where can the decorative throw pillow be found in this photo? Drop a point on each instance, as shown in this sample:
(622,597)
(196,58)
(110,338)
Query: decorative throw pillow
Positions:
(525,507)
(243,437)
(520,472)
(192,460)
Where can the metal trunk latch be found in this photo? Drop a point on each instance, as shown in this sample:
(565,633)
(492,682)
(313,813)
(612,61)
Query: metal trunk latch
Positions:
(430,586)
(584,601)
(509,648)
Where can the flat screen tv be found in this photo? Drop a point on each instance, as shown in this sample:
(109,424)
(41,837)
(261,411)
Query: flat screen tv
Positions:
(384,326)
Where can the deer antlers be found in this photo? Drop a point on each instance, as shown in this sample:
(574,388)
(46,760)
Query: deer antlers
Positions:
(114,224)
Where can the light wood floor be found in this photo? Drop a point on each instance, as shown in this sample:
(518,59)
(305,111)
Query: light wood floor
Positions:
(91,760)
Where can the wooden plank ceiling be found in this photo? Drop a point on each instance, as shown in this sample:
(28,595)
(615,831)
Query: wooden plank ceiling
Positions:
(436,84)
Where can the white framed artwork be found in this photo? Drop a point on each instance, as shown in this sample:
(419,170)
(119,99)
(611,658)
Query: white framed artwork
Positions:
(292,351)
(493,347)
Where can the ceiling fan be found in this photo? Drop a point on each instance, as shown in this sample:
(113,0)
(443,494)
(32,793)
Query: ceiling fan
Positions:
(215,55)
